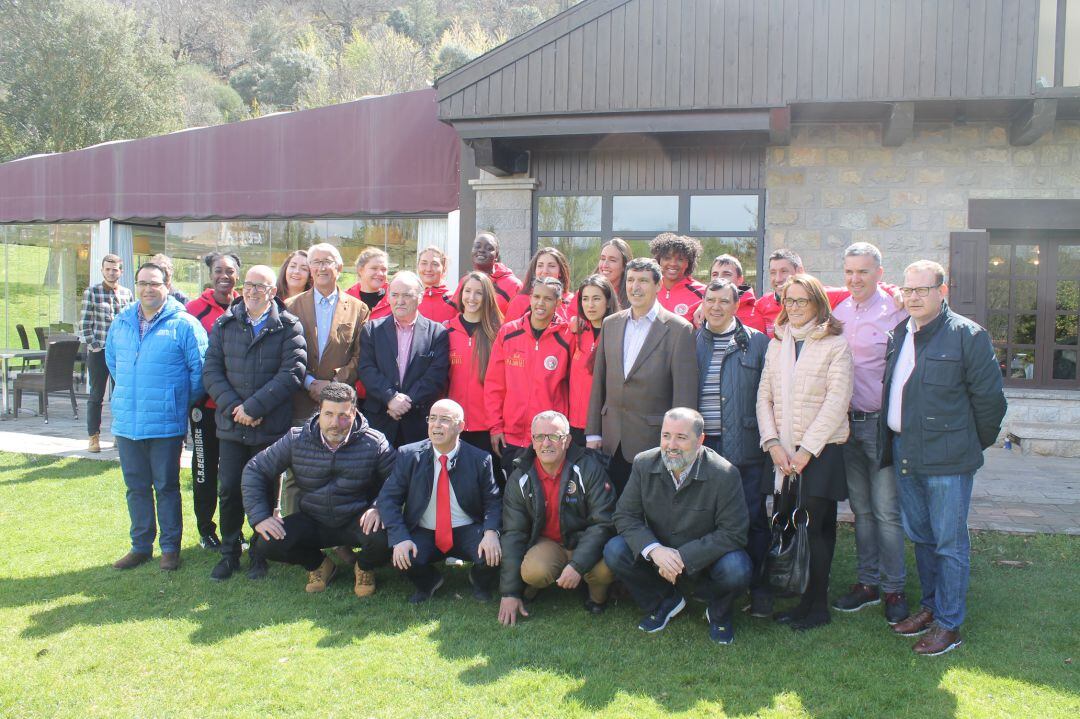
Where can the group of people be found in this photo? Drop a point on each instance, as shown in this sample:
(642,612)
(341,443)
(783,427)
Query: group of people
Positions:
(628,429)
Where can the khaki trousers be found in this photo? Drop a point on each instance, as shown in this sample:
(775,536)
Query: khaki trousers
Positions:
(545,561)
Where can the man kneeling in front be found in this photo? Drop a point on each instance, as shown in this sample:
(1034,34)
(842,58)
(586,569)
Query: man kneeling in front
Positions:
(556,519)
(339,465)
(682,519)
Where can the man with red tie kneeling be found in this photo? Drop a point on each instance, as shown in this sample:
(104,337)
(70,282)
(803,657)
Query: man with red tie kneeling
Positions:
(442,501)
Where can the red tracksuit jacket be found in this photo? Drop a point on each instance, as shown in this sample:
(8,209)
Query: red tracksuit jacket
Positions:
(683,298)
(581,375)
(526,376)
(466,386)
(437,304)
(381,308)
(206,310)
(507,285)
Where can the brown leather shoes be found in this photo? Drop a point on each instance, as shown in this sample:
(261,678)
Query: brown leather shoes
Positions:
(365,582)
(170,561)
(937,641)
(94,446)
(915,625)
(321,577)
(131,560)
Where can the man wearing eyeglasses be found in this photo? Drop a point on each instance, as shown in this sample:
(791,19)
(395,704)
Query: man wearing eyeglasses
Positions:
(332,321)
(404,364)
(442,501)
(255,362)
(154,351)
(556,519)
(942,405)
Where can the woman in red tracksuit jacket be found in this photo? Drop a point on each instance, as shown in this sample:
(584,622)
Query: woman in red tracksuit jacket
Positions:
(472,334)
(596,299)
(370,288)
(437,303)
(547,262)
(528,372)
(206,308)
(677,256)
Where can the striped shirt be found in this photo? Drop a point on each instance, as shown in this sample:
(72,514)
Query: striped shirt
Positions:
(710,405)
(100,308)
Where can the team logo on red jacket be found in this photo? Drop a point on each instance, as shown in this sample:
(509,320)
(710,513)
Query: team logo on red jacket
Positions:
(681,309)
(551,362)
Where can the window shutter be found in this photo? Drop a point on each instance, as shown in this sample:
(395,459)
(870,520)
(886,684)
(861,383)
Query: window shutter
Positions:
(968,258)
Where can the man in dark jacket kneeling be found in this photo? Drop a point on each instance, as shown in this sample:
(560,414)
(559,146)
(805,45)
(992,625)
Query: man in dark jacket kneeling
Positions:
(339,464)
(255,362)
(442,501)
(556,519)
(682,516)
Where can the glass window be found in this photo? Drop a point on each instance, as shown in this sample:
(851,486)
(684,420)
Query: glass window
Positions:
(582,253)
(745,249)
(568,214)
(645,213)
(724,213)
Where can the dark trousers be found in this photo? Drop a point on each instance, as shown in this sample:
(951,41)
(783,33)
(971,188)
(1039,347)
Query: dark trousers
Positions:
(482,440)
(510,452)
(821,533)
(305,538)
(204,468)
(99,379)
(577,436)
(234,455)
(727,578)
(466,545)
(619,471)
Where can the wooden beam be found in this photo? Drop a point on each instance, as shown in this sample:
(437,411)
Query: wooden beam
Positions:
(1035,120)
(780,126)
(618,123)
(497,157)
(899,125)
(995,214)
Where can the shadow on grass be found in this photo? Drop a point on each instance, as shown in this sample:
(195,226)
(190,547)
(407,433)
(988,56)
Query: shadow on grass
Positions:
(852,665)
(34,468)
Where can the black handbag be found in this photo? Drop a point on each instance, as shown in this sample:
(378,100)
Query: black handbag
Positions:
(788,560)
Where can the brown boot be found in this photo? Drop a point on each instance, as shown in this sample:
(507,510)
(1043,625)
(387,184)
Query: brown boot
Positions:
(131,560)
(365,582)
(321,577)
(170,561)
(95,444)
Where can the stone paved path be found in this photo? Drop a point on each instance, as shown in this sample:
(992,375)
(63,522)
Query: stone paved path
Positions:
(1012,493)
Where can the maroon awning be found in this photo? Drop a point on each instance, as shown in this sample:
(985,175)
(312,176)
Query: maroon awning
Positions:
(380,155)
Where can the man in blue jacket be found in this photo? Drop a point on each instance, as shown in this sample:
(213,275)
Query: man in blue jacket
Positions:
(442,501)
(942,405)
(154,351)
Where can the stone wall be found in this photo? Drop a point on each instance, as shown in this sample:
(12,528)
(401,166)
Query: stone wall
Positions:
(836,184)
(504,206)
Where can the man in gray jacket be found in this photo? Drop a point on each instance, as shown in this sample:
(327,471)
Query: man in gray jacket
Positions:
(682,517)
(730,359)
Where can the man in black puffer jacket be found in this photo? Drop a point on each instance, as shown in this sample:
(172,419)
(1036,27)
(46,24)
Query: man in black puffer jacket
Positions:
(255,362)
(339,464)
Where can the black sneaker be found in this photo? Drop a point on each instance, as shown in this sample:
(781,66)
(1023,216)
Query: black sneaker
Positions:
(258,569)
(211,542)
(421,595)
(480,592)
(760,606)
(225,568)
(859,596)
(663,614)
(721,627)
(813,618)
(896,608)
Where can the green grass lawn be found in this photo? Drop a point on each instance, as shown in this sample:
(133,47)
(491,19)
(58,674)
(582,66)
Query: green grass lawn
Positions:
(81,639)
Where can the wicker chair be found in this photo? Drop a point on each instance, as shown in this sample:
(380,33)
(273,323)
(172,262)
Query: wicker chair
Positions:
(56,377)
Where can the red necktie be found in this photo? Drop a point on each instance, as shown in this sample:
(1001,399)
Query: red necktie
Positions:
(444,528)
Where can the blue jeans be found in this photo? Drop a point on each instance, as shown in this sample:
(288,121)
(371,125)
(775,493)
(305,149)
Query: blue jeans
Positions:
(152,467)
(872,493)
(727,578)
(934,509)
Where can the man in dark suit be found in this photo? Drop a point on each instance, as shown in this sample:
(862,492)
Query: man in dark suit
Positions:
(331,320)
(442,501)
(645,365)
(682,517)
(404,364)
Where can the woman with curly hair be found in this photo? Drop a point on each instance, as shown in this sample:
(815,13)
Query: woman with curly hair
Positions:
(678,256)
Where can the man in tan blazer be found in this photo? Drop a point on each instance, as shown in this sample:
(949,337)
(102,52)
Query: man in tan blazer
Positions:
(645,365)
(332,321)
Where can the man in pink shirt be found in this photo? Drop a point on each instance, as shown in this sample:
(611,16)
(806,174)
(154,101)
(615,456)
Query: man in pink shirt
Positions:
(869,314)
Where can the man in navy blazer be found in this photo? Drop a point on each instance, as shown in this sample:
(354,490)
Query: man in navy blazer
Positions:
(442,501)
(404,364)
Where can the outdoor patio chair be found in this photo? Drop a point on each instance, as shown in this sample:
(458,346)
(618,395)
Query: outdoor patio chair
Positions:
(24,340)
(55,377)
(42,337)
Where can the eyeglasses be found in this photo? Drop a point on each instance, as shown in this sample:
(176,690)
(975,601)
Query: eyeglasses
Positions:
(799,302)
(920,291)
(256,287)
(323,263)
(554,437)
(441,419)
(149,285)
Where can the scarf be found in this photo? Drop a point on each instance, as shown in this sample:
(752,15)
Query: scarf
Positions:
(787,362)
